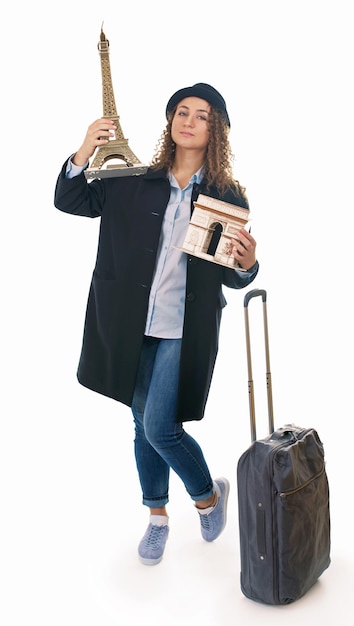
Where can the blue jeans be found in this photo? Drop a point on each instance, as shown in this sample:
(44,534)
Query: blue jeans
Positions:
(160,442)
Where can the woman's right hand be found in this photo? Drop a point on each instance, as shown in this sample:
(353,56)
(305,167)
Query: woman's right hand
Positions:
(98,134)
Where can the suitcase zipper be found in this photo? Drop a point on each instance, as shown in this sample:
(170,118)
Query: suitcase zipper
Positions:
(283,494)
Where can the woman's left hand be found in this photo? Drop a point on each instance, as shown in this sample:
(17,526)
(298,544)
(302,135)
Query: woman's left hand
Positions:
(244,249)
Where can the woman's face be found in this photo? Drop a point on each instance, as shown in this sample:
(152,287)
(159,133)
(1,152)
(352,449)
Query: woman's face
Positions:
(190,124)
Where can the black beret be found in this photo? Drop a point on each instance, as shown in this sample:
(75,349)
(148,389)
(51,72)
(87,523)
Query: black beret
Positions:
(199,90)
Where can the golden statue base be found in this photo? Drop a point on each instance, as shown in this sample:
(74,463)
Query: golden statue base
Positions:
(115,170)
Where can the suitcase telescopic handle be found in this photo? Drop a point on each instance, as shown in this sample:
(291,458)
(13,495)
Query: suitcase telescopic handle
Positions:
(253,294)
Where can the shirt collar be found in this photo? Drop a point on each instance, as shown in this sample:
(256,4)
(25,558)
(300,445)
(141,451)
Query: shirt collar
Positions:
(196,178)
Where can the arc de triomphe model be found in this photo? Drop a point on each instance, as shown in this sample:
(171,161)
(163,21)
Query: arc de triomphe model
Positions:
(212,227)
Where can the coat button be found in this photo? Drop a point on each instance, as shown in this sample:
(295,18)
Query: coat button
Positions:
(190,297)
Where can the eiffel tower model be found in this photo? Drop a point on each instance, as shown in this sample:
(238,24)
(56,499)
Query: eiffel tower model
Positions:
(117,148)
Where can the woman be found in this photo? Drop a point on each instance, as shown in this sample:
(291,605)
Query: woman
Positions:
(153,314)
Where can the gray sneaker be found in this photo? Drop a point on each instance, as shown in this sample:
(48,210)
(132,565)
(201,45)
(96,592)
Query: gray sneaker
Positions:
(152,545)
(212,524)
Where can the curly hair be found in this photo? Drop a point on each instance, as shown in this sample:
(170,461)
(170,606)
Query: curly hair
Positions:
(219,157)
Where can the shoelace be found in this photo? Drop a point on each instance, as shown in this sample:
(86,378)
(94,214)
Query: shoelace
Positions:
(204,521)
(154,536)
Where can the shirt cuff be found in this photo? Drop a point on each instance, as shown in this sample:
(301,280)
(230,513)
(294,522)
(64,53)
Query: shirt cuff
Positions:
(252,270)
(73,170)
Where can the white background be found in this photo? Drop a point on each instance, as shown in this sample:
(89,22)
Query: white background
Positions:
(71,515)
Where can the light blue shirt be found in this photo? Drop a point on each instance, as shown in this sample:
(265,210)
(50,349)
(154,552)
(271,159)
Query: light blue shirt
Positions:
(167,296)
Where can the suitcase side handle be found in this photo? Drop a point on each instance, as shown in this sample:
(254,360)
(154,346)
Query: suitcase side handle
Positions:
(252,294)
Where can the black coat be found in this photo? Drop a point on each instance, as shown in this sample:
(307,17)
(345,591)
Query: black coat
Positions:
(131,210)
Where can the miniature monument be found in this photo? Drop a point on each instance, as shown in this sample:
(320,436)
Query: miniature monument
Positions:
(117,148)
(212,227)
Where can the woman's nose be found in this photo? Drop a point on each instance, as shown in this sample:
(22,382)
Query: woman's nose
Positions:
(188,120)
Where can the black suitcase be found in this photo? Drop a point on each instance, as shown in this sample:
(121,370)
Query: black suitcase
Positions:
(283,501)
